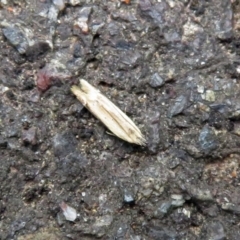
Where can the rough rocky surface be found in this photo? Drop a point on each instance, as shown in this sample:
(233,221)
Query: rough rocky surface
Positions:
(173,67)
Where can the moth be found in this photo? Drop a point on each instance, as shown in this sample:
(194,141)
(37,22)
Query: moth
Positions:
(108,113)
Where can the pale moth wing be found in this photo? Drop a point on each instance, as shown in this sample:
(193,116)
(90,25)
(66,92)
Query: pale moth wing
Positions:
(108,113)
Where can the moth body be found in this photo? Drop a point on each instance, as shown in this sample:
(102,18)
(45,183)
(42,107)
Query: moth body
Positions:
(108,113)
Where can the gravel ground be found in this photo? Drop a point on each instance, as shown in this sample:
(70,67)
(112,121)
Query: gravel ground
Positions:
(173,67)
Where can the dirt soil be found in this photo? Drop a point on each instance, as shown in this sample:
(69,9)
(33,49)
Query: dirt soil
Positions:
(173,66)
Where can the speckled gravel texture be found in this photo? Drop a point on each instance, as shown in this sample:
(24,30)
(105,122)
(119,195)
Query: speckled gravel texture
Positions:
(173,66)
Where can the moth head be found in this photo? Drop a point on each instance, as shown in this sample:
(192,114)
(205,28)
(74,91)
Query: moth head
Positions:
(85,86)
(79,94)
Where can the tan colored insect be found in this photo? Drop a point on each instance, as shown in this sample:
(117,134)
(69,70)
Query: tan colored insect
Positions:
(108,113)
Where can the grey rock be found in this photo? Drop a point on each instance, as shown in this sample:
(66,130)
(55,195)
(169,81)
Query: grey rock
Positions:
(72,165)
(30,136)
(17,225)
(158,233)
(13,144)
(231,207)
(17,38)
(177,200)
(164,208)
(130,58)
(128,196)
(98,228)
(156,81)
(84,13)
(208,140)
(37,50)
(145,5)
(212,211)
(215,231)
(154,131)
(201,194)
(64,144)
(223,25)
(3,143)
(178,106)
(121,231)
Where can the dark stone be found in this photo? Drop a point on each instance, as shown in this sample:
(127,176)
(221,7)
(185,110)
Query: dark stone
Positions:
(215,231)
(158,233)
(3,143)
(77,50)
(178,106)
(208,140)
(37,50)
(64,144)
(156,81)
(163,209)
(30,136)
(16,37)
(72,165)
